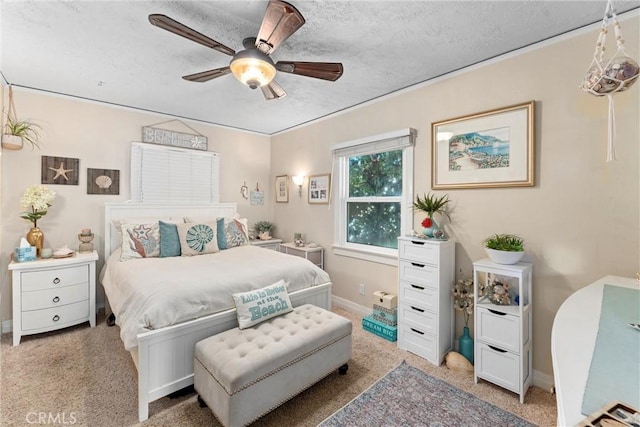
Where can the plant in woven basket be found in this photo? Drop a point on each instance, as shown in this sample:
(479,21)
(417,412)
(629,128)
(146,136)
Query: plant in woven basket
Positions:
(27,131)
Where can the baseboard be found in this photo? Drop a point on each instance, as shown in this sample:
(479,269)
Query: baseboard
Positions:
(350,306)
(7,326)
(542,380)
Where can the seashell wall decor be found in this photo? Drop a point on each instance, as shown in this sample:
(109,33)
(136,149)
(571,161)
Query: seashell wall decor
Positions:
(103,181)
(606,77)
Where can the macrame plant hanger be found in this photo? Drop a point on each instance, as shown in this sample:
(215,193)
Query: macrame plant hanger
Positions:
(606,77)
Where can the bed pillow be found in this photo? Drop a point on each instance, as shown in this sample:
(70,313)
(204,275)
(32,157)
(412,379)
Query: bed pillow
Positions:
(139,241)
(259,305)
(232,232)
(198,238)
(169,240)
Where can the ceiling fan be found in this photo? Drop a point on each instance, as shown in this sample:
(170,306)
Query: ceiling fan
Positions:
(253,66)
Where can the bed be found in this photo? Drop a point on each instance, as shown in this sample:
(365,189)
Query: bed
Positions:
(162,348)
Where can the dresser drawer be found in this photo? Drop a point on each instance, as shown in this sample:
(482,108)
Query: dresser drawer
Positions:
(419,295)
(416,316)
(47,298)
(499,329)
(419,273)
(498,366)
(52,318)
(54,278)
(417,341)
(419,251)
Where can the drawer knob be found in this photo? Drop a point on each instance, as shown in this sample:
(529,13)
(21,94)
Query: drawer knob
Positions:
(499,313)
(417,331)
(418,287)
(415,264)
(56,318)
(417,309)
(497,349)
(56,281)
(56,299)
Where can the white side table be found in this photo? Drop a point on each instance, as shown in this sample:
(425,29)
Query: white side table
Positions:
(50,294)
(273,244)
(315,254)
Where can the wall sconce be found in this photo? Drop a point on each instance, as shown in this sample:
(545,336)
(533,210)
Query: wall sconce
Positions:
(298,180)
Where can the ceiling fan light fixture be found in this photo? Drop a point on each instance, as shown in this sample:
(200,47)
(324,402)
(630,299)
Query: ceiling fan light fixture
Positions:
(253,68)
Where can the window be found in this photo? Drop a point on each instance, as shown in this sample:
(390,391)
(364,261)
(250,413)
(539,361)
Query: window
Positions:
(173,175)
(374,189)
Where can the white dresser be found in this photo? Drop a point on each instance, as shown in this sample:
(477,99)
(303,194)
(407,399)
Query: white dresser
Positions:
(503,332)
(426,270)
(53,294)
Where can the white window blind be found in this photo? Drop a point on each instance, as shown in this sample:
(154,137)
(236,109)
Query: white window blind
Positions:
(174,175)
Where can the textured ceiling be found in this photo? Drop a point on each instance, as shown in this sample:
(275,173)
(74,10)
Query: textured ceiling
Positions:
(108,51)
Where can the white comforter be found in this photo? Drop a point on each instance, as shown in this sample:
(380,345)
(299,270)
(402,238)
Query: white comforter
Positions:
(152,293)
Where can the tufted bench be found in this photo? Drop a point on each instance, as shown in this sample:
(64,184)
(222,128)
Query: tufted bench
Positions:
(243,374)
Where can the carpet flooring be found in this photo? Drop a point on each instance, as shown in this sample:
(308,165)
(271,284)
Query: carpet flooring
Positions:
(85,377)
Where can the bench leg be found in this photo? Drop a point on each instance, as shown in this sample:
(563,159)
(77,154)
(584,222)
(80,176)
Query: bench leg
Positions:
(201,402)
(342,370)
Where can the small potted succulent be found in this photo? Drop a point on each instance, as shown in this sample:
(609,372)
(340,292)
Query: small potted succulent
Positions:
(18,132)
(431,205)
(504,248)
(263,228)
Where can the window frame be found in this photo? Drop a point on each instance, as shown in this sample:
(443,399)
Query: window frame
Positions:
(403,139)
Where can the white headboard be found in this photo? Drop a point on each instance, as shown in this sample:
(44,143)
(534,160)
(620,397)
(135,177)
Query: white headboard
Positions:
(120,211)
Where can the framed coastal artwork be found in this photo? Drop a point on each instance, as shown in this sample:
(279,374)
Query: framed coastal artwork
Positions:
(490,149)
(282,189)
(319,187)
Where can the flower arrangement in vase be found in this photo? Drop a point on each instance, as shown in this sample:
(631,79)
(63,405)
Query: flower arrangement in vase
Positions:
(38,199)
(431,205)
(463,301)
(263,228)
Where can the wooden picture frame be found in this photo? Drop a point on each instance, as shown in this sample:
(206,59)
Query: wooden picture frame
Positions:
(489,149)
(103,181)
(319,189)
(282,189)
(59,170)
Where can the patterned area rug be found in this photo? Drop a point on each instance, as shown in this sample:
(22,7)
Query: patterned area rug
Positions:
(406,396)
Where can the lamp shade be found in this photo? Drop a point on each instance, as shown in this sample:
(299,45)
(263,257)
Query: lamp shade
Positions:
(298,179)
(253,68)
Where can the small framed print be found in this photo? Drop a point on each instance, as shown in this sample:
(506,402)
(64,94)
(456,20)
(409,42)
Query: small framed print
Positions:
(60,170)
(282,189)
(103,181)
(319,189)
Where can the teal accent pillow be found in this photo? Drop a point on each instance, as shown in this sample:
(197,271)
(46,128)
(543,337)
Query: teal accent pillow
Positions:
(259,305)
(198,238)
(169,240)
(232,232)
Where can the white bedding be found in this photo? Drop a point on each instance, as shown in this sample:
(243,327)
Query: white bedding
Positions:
(152,293)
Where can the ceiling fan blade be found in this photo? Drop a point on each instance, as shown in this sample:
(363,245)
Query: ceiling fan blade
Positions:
(273,91)
(205,76)
(319,70)
(175,27)
(280,21)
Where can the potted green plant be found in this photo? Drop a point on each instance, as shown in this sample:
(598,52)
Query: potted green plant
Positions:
(263,228)
(504,248)
(17,132)
(431,205)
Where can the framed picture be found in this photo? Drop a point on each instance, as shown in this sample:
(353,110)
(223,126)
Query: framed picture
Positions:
(282,189)
(489,149)
(319,188)
(103,181)
(60,170)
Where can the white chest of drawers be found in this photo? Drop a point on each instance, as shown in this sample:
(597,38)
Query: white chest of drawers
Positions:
(426,271)
(272,244)
(53,294)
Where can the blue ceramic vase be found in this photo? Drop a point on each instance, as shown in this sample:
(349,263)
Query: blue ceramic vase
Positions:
(429,230)
(465,343)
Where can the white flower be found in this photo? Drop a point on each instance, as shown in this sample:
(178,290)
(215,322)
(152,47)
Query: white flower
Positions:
(38,198)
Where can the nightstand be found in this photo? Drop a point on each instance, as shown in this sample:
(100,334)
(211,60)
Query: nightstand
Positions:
(50,294)
(273,244)
(315,255)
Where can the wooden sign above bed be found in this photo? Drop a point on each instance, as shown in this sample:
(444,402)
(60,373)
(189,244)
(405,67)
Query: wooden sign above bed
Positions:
(176,139)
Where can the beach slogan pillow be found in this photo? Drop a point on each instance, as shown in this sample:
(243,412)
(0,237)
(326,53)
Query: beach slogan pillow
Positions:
(259,305)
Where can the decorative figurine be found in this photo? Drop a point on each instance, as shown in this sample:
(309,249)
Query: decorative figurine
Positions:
(298,240)
(85,237)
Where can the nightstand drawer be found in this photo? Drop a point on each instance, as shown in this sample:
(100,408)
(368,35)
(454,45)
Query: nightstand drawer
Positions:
(54,278)
(499,329)
(51,318)
(498,366)
(419,295)
(419,273)
(54,297)
(418,250)
(416,316)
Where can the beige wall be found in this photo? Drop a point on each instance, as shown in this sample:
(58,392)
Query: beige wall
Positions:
(580,221)
(100,136)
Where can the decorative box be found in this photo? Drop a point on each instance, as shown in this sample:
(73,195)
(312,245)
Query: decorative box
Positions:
(387,332)
(25,254)
(385,315)
(613,414)
(385,300)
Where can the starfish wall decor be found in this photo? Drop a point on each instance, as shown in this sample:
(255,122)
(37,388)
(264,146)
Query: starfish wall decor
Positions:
(60,170)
